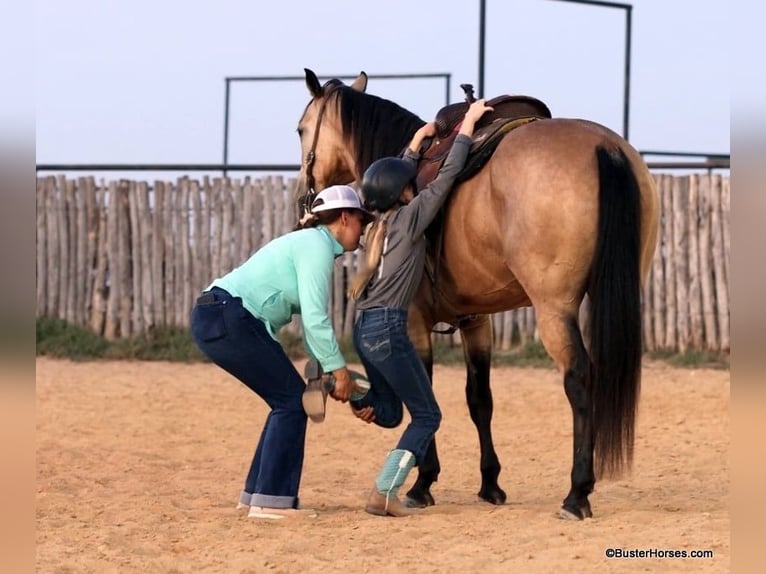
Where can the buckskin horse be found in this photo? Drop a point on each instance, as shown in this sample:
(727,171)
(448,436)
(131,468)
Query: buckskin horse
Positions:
(561,209)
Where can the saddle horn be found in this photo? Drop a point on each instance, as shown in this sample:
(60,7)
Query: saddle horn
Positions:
(468,89)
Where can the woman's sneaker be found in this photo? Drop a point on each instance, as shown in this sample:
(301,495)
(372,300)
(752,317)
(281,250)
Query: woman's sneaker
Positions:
(280,513)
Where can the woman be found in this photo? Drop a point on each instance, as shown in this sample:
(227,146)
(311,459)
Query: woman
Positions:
(396,250)
(235,323)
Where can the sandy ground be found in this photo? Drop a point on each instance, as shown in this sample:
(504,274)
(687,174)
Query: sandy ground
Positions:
(139,466)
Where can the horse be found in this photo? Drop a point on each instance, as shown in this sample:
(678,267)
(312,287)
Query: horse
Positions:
(563,209)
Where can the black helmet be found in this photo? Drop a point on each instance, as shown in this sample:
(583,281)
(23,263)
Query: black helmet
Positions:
(384,181)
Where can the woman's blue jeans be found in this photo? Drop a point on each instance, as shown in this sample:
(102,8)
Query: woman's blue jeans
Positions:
(397,376)
(240,344)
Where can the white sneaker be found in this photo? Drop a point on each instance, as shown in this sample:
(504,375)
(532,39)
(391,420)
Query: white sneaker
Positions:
(280,513)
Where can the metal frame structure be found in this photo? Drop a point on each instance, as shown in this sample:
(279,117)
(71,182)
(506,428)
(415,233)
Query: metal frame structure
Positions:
(229,80)
(628,34)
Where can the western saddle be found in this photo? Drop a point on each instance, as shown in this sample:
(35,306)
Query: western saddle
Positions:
(509,112)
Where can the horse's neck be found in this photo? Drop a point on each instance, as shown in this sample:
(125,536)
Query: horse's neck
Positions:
(395,129)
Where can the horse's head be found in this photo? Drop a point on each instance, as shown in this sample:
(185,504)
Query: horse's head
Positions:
(327,157)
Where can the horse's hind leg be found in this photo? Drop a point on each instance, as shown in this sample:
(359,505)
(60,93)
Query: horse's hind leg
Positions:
(477,346)
(563,340)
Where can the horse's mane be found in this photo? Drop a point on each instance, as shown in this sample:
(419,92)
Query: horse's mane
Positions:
(375,126)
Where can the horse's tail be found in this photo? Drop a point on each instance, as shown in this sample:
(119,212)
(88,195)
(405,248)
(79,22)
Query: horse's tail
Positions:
(615,314)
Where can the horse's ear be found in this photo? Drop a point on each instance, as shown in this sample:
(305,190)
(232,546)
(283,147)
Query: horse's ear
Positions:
(312,82)
(360,84)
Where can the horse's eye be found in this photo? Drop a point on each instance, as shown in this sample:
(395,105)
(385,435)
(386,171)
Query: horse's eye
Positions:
(300,131)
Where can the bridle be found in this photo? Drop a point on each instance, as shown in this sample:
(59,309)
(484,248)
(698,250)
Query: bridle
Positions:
(311,193)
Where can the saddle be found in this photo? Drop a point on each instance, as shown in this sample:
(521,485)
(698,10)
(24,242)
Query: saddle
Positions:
(509,113)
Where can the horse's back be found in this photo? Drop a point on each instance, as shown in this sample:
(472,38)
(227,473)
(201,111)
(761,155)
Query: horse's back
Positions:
(529,219)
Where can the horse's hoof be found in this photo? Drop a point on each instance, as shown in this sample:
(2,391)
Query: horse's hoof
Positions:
(578,513)
(419,499)
(565,514)
(493,495)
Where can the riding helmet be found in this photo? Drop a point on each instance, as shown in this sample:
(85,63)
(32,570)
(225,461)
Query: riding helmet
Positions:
(384,181)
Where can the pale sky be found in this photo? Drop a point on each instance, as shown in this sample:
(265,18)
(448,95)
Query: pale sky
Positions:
(143,81)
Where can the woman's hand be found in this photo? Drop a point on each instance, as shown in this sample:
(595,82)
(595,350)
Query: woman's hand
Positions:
(475,111)
(344,386)
(426,131)
(367,414)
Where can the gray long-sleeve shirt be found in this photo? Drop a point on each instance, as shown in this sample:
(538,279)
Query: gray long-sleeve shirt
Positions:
(404,249)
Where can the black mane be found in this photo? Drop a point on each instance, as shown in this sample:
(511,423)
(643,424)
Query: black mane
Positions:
(375,126)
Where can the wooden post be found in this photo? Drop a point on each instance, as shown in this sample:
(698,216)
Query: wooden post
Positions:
(239,232)
(721,287)
(146,262)
(184,293)
(100,290)
(258,211)
(670,275)
(658,279)
(63,262)
(227,227)
(246,224)
(522,313)
(695,301)
(93,215)
(287,213)
(680,188)
(725,221)
(279,205)
(113,263)
(126,275)
(207,199)
(168,217)
(53,246)
(158,254)
(82,264)
(646,313)
(267,230)
(215,229)
(42,251)
(706,272)
(136,257)
(70,222)
(507,326)
(199,278)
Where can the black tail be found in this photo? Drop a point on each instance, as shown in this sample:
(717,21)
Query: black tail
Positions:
(615,314)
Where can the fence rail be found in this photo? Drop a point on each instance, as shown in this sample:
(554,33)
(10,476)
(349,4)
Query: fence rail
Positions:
(125,257)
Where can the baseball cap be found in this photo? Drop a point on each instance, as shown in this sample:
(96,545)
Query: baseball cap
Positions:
(339,197)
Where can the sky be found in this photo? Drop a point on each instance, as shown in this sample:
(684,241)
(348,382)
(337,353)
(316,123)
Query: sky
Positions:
(143,81)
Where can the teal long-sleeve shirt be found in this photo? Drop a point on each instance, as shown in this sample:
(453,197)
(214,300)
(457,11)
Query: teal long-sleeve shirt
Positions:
(292,275)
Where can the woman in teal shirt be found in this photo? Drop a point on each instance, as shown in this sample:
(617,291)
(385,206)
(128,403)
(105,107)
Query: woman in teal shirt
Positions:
(235,323)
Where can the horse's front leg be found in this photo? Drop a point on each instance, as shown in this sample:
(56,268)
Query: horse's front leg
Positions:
(477,347)
(419,328)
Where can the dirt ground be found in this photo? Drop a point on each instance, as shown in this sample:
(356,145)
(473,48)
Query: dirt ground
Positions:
(139,466)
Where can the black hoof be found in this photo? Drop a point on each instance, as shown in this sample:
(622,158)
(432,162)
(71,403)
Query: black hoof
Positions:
(419,499)
(493,495)
(568,512)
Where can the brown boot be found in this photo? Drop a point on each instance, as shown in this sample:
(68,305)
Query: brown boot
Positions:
(382,505)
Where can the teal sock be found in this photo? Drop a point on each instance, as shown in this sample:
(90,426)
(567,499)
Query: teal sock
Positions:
(395,469)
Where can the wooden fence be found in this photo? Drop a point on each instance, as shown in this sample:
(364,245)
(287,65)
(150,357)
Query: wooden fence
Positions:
(124,258)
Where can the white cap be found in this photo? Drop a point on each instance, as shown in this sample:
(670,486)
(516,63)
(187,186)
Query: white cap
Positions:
(338,197)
